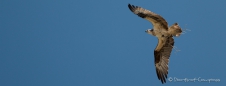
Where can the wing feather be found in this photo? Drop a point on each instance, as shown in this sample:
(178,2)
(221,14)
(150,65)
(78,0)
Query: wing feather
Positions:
(157,21)
(162,54)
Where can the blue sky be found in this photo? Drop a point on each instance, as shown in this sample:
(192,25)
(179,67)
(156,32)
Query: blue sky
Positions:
(102,43)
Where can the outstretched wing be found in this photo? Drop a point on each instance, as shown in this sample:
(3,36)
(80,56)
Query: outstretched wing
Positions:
(162,54)
(157,21)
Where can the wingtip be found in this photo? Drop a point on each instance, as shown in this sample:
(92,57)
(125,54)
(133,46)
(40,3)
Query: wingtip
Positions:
(161,77)
(163,80)
(129,5)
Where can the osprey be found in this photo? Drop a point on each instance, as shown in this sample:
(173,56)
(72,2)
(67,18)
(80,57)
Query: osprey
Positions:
(165,39)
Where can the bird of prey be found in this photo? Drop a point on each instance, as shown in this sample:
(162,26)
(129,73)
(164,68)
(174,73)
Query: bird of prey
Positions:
(165,36)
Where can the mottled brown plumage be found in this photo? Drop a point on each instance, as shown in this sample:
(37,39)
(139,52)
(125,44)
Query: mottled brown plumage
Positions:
(165,39)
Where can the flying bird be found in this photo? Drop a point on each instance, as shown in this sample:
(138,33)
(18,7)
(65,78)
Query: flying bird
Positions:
(165,36)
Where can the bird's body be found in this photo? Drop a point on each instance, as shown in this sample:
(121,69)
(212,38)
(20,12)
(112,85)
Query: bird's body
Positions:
(165,38)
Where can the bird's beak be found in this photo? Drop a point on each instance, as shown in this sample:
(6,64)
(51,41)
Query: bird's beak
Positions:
(146,31)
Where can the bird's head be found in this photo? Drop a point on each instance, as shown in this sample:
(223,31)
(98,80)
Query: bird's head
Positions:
(150,31)
(175,29)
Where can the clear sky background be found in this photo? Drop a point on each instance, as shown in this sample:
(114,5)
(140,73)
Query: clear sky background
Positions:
(102,43)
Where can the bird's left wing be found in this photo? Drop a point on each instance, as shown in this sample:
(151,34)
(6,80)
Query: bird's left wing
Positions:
(162,54)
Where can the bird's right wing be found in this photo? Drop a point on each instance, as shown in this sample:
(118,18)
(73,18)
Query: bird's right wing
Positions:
(157,21)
